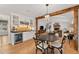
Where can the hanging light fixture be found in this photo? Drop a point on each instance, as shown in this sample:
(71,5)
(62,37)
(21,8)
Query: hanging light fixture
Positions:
(48,26)
(47,16)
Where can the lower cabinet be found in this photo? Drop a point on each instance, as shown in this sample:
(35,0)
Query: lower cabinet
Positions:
(16,38)
(4,40)
(20,37)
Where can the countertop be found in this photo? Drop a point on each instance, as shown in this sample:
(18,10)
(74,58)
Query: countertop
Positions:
(19,31)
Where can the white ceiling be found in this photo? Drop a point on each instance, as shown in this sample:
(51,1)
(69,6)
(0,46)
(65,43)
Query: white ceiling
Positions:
(31,10)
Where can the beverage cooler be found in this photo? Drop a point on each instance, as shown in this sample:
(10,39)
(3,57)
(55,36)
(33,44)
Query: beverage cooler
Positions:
(16,38)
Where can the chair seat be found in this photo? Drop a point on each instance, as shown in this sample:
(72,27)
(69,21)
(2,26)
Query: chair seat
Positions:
(40,46)
(56,44)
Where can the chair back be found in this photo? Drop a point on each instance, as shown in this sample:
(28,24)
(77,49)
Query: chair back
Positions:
(63,40)
(37,41)
(70,36)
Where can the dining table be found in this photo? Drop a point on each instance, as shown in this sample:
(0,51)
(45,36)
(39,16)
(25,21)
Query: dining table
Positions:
(50,37)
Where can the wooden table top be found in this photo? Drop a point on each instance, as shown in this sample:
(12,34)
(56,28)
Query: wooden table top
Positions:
(47,37)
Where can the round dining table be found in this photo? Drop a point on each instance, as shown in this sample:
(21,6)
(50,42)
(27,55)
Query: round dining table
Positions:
(48,37)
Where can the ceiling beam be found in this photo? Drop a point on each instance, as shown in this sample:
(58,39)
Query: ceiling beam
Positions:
(59,12)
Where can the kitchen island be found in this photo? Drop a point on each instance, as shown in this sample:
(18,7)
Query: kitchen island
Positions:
(17,37)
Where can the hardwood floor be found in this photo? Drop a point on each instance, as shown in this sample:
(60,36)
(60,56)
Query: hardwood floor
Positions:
(28,47)
(70,48)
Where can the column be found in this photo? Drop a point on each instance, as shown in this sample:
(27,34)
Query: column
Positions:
(76,26)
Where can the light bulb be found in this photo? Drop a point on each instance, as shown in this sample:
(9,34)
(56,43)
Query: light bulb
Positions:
(47,16)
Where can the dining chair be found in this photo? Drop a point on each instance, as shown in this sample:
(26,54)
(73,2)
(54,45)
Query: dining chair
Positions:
(41,45)
(66,35)
(70,37)
(57,45)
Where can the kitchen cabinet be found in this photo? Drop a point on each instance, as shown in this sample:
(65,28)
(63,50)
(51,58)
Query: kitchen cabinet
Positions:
(3,27)
(24,36)
(3,40)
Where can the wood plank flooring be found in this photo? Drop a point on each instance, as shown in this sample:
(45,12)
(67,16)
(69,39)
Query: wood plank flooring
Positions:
(28,47)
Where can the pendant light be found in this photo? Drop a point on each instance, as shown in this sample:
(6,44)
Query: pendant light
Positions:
(48,27)
(47,16)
